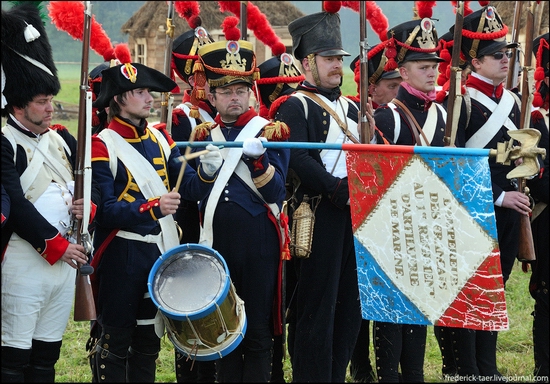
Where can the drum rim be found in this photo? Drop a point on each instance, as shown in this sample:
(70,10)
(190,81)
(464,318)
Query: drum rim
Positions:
(191,315)
(232,343)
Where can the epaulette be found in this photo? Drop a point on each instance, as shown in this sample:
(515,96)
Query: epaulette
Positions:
(176,114)
(201,131)
(536,116)
(58,127)
(159,125)
(276,131)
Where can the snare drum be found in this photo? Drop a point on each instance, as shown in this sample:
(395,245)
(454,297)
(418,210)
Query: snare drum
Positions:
(204,317)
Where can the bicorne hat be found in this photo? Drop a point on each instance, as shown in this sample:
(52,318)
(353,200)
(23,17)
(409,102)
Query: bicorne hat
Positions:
(483,33)
(128,76)
(318,33)
(28,68)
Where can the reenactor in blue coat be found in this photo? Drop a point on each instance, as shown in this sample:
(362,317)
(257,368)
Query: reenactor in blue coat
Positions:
(241,217)
(136,168)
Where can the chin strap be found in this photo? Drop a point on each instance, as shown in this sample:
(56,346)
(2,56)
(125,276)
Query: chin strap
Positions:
(313,67)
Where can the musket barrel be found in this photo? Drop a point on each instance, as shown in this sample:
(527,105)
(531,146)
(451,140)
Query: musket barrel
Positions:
(451,124)
(365,129)
(511,80)
(165,96)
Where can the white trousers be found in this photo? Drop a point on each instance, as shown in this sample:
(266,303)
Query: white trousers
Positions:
(37,297)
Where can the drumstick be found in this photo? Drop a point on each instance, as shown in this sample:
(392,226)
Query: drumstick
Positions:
(184,160)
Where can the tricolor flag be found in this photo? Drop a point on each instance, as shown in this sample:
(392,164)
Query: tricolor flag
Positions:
(425,237)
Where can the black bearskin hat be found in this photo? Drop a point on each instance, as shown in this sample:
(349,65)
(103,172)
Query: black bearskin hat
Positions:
(28,68)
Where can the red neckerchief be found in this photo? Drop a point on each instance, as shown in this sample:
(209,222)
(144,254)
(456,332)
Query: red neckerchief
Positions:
(487,88)
(241,121)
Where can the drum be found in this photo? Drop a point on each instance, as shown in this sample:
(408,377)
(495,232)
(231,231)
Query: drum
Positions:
(204,317)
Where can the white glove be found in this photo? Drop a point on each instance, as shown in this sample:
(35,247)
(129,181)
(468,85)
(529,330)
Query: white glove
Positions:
(253,147)
(211,161)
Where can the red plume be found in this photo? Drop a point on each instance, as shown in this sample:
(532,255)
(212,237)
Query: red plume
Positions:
(68,16)
(230,6)
(537,99)
(258,23)
(378,21)
(332,6)
(484,3)
(467,9)
(122,53)
(425,8)
(188,10)
(230,30)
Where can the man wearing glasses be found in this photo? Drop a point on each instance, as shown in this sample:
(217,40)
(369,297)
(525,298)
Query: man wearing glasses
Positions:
(494,112)
(241,216)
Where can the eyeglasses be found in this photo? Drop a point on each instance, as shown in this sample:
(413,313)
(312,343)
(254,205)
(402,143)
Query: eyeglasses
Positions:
(227,92)
(500,55)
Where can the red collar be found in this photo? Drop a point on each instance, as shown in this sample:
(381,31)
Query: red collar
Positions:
(488,89)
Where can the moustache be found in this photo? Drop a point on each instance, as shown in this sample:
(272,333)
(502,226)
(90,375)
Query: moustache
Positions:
(341,73)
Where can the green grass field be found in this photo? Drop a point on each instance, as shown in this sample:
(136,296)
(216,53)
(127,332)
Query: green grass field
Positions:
(514,354)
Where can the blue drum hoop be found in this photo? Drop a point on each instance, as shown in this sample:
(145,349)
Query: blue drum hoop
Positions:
(166,260)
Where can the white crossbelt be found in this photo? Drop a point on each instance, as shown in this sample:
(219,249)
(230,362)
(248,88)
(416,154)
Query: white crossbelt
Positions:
(148,180)
(498,118)
(231,156)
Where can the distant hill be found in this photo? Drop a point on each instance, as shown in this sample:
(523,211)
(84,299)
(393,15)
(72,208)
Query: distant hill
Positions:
(113,14)
(110,14)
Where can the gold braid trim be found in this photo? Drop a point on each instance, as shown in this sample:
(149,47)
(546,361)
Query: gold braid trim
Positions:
(199,172)
(262,180)
(201,131)
(276,131)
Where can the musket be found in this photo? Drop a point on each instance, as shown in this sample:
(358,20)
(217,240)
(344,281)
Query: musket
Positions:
(512,79)
(243,17)
(365,129)
(526,246)
(84,307)
(166,97)
(455,95)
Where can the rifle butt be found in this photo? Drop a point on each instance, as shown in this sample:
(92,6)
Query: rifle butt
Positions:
(84,304)
(526,250)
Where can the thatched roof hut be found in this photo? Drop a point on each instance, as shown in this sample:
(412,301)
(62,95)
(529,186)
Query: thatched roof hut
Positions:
(147,28)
